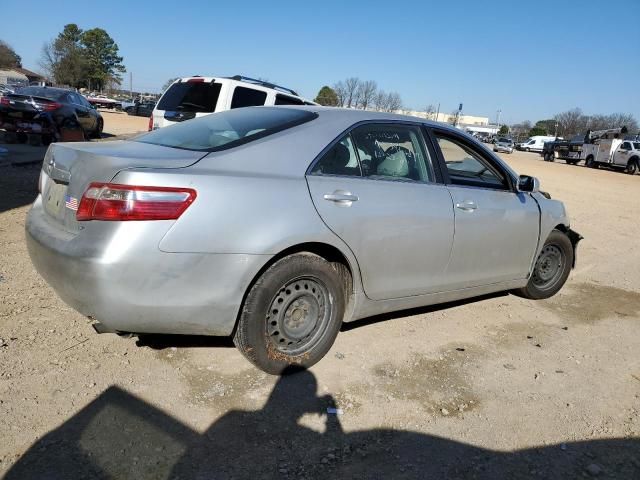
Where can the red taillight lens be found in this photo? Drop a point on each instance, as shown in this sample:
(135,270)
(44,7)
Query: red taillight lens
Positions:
(4,101)
(151,122)
(108,201)
(195,80)
(51,106)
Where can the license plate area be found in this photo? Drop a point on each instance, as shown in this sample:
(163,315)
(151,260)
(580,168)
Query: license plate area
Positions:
(54,194)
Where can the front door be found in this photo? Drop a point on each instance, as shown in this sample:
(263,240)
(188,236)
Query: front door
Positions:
(496,228)
(376,190)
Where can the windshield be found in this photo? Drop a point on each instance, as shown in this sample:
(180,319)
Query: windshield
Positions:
(191,97)
(227,129)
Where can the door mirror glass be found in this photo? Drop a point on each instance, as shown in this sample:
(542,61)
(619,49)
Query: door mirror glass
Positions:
(528,184)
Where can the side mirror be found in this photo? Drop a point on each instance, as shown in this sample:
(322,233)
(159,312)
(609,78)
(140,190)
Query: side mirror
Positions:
(528,184)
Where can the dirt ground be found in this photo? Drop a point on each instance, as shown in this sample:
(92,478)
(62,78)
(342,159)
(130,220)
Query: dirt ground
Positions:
(498,387)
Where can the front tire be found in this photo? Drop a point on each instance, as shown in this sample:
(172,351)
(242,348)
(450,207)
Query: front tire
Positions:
(551,269)
(292,314)
(632,167)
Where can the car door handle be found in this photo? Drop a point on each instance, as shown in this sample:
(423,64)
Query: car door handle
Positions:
(340,197)
(467,206)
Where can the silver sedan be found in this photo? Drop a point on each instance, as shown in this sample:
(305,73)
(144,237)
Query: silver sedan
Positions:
(276,224)
(503,145)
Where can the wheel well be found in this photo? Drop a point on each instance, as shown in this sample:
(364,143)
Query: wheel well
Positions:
(324,250)
(633,159)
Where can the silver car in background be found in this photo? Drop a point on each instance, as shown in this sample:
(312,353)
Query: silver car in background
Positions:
(505,145)
(276,224)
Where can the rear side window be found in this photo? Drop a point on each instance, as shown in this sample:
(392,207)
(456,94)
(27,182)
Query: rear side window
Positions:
(341,159)
(191,97)
(247,97)
(286,100)
(227,129)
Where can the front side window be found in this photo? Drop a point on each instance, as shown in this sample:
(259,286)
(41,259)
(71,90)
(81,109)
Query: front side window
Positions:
(341,159)
(468,167)
(626,146)
(227,129)
(392,152)
(247,97)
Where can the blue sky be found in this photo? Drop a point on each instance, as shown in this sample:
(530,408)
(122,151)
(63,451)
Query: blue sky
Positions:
(490,55)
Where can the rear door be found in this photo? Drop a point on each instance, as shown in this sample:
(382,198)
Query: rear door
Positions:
(83,113)
(496,228)
(376,189)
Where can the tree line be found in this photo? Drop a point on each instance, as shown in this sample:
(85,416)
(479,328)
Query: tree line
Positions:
(8,57)
(83,58)
(574,122)
(362,94)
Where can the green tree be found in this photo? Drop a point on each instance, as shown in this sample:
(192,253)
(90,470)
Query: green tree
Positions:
(327,97)
(503,130)
(63,58)
(8,57)
(101,55)
(537,131)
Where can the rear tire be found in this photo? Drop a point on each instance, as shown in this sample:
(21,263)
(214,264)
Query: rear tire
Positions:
(97,133)
(589,162)
(551,269)
(292,314)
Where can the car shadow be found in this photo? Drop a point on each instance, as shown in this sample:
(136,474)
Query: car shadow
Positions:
(18,185)
(119,435)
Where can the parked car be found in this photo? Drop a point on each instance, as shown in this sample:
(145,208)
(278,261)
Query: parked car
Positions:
(192,97)
(503,145)
(143,109)
(46,110)
(277,224)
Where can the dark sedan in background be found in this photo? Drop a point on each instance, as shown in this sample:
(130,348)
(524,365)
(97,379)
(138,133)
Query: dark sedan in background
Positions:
(48,111)
(144,109)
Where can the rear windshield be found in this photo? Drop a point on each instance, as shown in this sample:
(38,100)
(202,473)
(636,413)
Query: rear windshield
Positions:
(191,97)
(227,129)
(43,92)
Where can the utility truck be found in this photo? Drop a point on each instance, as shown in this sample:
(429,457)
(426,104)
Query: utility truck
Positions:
(610,148)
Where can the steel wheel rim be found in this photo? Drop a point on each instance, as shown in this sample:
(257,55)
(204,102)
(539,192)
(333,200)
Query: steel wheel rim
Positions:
(298,315)
(549,267)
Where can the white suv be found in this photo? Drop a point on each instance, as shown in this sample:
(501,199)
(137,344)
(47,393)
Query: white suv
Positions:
(196,96)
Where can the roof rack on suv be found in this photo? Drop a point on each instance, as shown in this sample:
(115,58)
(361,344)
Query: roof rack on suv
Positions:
(242,78)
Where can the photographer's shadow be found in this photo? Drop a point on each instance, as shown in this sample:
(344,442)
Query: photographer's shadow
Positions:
(120,436)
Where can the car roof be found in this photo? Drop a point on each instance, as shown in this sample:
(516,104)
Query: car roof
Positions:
(330,124)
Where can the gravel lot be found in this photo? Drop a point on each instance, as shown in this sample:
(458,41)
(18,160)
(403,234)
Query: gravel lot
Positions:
(494,388)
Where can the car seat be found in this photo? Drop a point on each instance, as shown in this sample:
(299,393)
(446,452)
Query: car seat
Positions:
(394,165)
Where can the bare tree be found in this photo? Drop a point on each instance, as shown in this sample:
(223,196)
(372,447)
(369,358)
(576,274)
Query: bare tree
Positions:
(394,102)
(380,100)
(341,92)
(351,85)
(430,111)
(571,122)
(366,93)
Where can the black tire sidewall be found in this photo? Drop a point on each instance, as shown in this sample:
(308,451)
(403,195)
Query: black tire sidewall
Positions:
(561,240)
(250,336)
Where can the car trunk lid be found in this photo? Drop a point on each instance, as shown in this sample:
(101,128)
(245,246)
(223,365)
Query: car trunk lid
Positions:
(70,167)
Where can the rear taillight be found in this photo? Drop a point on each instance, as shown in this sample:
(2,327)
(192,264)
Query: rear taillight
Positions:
(151,122)
(48,106)
(107,201)
(4,101)
(195,80)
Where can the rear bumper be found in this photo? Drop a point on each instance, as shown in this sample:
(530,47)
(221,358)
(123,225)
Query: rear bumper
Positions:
(131,286)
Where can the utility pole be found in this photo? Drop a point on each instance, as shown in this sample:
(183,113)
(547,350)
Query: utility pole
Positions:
(131,85)
(438,112)
(498,113)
